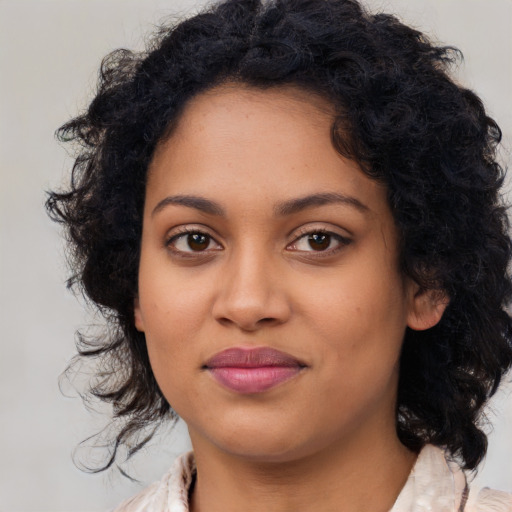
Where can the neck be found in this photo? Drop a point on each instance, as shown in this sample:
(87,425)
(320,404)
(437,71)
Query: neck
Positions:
(366,474)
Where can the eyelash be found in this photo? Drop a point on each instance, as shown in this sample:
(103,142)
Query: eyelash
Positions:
(170,243)
(308,232)
(342,242)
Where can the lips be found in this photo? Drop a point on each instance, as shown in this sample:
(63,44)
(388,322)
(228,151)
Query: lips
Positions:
(252,370)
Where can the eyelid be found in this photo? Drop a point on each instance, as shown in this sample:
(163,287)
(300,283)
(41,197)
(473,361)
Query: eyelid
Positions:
(190,228)
(311,229)
(179,231)
(314,227)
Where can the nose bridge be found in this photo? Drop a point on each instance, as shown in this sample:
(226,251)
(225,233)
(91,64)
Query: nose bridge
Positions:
(251,293)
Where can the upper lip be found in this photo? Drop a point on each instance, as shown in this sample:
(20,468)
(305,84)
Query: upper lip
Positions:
(241,357)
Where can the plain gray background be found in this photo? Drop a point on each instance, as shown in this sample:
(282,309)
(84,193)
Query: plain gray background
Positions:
(49,54)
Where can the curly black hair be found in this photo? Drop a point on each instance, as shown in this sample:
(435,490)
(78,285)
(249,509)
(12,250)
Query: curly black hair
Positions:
(399,116)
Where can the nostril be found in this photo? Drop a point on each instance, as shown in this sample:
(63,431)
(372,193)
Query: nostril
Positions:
(250,305)
(248,325)
(224,321)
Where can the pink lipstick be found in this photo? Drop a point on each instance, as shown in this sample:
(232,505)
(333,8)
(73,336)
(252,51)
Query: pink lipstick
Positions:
(252,370)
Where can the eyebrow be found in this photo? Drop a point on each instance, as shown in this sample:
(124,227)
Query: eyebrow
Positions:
(310,201)
(282,209)
(199,203)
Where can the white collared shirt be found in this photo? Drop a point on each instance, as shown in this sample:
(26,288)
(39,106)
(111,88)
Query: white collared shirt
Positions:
(434,485)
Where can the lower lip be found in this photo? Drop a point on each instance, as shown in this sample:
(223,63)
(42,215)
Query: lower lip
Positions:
(253,380)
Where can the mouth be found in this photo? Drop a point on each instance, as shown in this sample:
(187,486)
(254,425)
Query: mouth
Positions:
(252,370)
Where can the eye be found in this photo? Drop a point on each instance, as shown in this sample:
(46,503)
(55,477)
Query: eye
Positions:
(192,241)
(319,241)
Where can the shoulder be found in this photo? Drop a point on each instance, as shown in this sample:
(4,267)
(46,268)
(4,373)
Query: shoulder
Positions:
(489,500)
(474,498)
(437,483)
(170,494)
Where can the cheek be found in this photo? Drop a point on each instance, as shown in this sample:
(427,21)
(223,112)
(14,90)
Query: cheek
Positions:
(173,312)
(360,319)
(356,304)
(172,356)
(172,304)
(359,343)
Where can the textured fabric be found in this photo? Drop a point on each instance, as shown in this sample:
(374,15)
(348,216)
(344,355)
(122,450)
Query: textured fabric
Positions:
(169,494)
(434,485)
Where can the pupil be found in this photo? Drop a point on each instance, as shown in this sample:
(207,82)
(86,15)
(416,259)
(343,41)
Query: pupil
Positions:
(319,241)
(198,241)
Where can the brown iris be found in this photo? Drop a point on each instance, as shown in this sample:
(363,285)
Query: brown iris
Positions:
(319,241)
(198,241)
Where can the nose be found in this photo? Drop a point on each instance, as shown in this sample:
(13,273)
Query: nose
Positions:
(251,293)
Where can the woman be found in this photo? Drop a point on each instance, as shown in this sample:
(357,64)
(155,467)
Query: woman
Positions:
(291,217)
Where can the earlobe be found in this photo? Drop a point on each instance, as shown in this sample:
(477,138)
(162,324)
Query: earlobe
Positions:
(139,324)
(427,308)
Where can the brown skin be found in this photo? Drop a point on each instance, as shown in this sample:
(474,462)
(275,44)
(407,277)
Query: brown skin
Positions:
(325,438)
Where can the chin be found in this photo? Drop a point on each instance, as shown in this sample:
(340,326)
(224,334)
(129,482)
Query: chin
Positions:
(266,443)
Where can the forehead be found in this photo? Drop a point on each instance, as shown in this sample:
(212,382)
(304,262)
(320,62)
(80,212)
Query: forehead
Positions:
(275,143)
(230,118)
(226,103)
(285,97)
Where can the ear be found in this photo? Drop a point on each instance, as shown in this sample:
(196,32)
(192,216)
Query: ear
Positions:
(139,323)
(426,308)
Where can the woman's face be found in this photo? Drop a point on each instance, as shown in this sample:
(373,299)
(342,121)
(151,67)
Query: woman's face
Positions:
(269,289)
